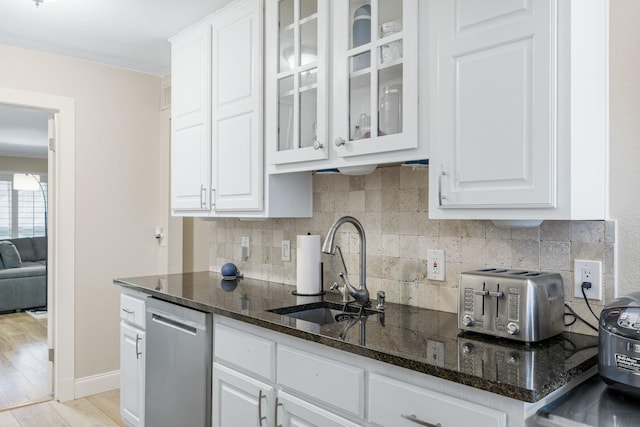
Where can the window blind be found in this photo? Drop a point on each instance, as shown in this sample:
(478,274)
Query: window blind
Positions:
(22,213)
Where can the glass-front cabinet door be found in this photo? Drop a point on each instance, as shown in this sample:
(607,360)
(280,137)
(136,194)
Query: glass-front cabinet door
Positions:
(297,91)
(375,93)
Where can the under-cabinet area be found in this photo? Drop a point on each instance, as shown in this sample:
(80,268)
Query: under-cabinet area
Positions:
(394,367)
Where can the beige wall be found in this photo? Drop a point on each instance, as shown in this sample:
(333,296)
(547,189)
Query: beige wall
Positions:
(196,245)
(625,138)
(23,164)
(121,181)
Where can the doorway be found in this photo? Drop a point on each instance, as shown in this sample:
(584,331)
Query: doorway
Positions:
(26,376)
(60,232)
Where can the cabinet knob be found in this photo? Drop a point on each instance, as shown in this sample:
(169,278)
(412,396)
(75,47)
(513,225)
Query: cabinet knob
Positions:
(339,141)
(317,145)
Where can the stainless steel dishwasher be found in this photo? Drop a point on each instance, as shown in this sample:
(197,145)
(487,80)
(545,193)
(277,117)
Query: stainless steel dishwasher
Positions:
(178,366)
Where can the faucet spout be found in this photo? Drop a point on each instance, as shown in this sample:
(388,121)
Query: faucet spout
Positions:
(361,295)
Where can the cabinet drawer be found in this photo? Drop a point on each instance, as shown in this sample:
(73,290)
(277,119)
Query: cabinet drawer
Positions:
(245,352)
(321,379)
(132,308)
(395,403)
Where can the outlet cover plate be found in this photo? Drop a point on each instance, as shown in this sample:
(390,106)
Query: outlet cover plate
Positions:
(587,271)
(435,353)
(436,265)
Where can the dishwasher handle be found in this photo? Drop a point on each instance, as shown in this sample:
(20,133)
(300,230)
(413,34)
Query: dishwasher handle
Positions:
(175,322)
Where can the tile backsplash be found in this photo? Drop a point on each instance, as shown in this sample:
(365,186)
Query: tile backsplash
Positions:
(392,205)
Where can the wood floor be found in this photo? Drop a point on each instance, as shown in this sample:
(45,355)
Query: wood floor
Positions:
(23,360)
(93,411)
(23,380)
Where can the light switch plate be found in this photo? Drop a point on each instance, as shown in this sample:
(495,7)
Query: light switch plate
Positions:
(244,245)
(286,250)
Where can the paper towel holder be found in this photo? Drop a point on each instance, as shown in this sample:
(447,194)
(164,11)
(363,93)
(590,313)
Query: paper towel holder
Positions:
(322,291)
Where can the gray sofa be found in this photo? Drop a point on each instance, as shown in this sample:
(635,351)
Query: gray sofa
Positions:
(23,281)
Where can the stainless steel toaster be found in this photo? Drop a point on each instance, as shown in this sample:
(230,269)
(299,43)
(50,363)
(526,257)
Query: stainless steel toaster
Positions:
(519,305)
(619,344)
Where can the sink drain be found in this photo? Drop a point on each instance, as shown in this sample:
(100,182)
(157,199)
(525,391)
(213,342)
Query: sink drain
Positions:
(345,316)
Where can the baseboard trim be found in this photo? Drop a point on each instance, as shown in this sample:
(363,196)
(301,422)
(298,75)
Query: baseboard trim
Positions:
(97,384)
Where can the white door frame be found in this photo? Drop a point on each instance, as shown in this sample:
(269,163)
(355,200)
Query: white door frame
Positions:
(61,231)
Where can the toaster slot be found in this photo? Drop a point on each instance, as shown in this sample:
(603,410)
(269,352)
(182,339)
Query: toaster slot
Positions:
(483,293)
(497,294)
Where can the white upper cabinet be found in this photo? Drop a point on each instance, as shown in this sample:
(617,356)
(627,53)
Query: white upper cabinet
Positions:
(190,123)
(217,152)
(370,115)
(375,71)
(521,129)
(236,110)
(296,43)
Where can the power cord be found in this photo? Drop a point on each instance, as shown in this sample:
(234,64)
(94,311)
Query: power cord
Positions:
(587,285)
(577,316)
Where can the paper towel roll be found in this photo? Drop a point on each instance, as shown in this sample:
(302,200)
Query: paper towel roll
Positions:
(308,265)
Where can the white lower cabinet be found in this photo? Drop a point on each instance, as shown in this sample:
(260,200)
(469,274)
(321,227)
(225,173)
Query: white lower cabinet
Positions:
(295,412)
(132,354)
(336,385)
(396,403)
(132,375)
(265,378)
(239,400)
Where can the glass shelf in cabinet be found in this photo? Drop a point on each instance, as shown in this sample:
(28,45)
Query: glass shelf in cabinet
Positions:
(308,18)
(390,64)
(360,73)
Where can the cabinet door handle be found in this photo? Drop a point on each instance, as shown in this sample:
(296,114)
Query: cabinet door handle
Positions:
(418,421)
(260,417)
(203,196)
(128,311)
(278,404)
(317,145)
(440,196)
(339,141)
(138,352)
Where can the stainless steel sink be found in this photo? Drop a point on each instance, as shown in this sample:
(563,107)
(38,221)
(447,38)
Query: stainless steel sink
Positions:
(321,313)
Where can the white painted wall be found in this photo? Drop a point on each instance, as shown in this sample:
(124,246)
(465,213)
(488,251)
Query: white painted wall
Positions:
(625,139)
(121,181)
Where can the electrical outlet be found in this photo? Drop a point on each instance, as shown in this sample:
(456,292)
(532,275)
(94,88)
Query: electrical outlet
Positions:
(591,272)
(286,250)
(436,265)
(435,353)
(244,247)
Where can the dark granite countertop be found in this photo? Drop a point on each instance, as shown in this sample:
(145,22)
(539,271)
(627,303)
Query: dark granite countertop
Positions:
(591,404)
(422,340)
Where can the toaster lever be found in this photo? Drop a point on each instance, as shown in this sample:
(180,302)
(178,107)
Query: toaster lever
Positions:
(483,293)
(498,294)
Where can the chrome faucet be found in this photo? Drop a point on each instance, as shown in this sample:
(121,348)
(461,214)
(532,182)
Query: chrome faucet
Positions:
(360,295)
